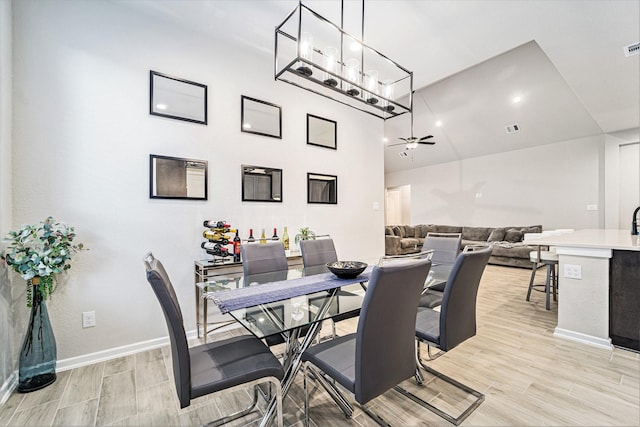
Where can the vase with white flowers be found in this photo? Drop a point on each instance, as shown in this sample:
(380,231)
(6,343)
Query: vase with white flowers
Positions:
(38,253)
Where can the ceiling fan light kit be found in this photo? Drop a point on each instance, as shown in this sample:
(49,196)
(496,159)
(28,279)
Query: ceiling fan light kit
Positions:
(315,54)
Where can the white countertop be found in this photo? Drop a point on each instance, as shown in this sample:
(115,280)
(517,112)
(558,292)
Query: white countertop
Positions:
(591,238)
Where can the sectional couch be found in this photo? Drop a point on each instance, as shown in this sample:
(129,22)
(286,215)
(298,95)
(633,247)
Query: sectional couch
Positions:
(508,248)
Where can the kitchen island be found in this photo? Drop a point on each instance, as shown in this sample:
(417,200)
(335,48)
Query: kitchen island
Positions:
(599,283)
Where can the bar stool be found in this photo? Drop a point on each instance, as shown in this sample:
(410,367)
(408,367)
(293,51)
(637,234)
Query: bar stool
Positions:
(550,259)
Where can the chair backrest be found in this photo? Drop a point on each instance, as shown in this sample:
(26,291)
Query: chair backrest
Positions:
(318,251)
(161,285)
(263,258)
(385,338)
(458,308)
(445,247)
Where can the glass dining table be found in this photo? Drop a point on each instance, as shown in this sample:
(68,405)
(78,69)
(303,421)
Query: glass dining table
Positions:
(297,319)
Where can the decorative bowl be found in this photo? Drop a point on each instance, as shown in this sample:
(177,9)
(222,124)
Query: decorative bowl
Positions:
(346,269)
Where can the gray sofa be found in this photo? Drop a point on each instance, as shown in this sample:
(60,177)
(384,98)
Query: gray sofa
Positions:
(508,247)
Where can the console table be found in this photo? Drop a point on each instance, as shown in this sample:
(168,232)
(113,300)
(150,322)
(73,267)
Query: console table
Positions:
(209,268)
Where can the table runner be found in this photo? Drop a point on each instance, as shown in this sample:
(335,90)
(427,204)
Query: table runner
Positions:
(234,299)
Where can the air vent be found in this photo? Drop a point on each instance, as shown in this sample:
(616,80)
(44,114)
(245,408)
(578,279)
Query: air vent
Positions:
(512,128)
(632,49)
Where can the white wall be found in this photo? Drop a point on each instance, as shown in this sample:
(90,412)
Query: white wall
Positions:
(549,185)
(8,337)
(83,136)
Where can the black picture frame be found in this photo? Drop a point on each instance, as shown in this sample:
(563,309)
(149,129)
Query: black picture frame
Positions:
(261,184)
(260,117)
(175,98)
(322,132)
(322,189)
(177,178)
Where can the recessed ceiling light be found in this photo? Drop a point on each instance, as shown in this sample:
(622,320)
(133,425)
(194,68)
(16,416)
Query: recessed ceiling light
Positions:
(161,106)
(385,139)
(355,46)
(517,99)
(439,123)
(247,125)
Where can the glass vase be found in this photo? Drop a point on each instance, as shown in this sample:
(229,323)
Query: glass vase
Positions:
(37,365)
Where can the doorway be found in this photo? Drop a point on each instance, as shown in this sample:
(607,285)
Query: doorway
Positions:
(629,181)
(398,205)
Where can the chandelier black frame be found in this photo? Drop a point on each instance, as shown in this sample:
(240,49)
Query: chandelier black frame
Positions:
(385,95)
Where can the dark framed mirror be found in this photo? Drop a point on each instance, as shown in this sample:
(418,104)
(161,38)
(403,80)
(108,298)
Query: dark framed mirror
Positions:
(322,188)
(177,178)
(260,117)
(178,99)
(261,184)
(322,132)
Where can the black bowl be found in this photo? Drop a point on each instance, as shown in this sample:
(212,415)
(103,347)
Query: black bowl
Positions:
(347,269)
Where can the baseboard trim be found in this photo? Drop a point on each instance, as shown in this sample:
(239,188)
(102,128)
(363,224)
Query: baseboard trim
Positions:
(583,338)
(112,353)
(7,388)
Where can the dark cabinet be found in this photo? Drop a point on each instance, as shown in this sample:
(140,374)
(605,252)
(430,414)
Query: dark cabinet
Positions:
(624,299)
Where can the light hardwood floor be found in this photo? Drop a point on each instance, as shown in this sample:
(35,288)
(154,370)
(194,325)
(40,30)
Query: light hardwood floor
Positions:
(529,377)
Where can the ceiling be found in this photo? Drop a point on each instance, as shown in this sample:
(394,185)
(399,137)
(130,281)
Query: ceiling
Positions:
(563,58)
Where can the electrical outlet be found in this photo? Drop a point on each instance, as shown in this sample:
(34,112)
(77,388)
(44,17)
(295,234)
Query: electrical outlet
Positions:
(573,271)
(88,319)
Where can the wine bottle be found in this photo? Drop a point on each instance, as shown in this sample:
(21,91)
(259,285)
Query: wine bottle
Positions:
(215,249)
(236,248)
(251,239)
(275,235)
(216,224)
(263,239)
(285,239)
(215,237)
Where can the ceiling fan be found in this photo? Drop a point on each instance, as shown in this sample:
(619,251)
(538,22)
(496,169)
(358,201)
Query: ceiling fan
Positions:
(413,141)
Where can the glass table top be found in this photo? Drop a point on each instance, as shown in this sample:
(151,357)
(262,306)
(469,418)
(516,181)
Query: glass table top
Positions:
(282,316)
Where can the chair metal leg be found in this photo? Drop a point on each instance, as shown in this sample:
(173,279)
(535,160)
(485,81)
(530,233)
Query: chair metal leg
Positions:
(337,397)
(418,376)
(555,282)
(533,276)
(306,395)
(333,392)
(251,407)
(375,417)
(547,286)
(479,397)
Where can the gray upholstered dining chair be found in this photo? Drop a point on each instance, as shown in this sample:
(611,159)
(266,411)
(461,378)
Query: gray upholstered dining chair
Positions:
(227,364)
(263,258)
(453,324)
(320,251)
(381,353)
(445,247)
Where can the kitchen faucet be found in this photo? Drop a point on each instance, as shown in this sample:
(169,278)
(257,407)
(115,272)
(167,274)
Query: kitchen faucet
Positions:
(634,222)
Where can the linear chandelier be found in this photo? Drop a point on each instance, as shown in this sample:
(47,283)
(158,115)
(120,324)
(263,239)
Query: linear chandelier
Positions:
(317,55)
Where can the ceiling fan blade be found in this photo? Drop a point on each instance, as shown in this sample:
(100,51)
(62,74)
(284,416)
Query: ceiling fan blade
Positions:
(426,137)
(404,139)
(399,143)
(427,142)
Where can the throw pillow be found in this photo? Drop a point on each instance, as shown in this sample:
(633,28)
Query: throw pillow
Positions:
(512,235)
(388,231)
(398,231)
(497,235)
